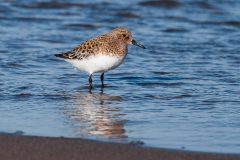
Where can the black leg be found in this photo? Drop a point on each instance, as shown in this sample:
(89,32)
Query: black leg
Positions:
(90,81)
(102,79)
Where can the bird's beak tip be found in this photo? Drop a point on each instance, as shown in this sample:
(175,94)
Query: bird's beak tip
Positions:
(138,44)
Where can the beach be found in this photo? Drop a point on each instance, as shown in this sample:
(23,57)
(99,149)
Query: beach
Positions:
(48,148)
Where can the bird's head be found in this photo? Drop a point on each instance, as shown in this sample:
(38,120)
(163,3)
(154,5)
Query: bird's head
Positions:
(125,36)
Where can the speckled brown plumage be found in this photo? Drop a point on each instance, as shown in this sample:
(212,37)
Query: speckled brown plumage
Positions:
(113,43)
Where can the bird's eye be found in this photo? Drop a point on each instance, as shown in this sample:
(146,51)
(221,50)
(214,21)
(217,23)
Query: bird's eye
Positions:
(124,35)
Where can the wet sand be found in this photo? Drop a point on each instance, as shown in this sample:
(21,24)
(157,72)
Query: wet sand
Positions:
(38,148)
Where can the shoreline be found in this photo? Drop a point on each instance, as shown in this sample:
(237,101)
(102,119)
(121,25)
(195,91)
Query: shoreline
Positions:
(23,147)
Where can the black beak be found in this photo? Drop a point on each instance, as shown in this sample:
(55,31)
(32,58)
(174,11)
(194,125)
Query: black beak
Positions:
(137,44)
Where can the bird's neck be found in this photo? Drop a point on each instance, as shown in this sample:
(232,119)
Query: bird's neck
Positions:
(123,48)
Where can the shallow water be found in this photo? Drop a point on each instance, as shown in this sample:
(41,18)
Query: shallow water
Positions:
(183,92)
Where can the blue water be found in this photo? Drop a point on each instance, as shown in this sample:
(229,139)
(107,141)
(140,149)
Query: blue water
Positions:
(183,92)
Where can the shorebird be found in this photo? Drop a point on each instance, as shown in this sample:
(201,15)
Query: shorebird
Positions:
(101,53)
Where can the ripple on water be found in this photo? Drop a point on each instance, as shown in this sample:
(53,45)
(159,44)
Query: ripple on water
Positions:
(81,25)
(29,19)
(50,5)
(175,30)
(204,5)
(161,3)
(128,15)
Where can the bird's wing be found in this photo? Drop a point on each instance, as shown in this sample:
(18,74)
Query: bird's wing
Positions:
(84,50)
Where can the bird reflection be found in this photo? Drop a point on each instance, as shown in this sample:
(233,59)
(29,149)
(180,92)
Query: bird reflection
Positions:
(98,115)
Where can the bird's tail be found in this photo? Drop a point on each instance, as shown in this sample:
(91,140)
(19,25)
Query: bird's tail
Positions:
(59,55)
(66,55)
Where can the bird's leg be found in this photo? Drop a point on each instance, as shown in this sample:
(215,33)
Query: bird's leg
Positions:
(90,81)
(102,79)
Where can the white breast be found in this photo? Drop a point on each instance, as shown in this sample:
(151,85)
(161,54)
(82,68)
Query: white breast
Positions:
(98,63)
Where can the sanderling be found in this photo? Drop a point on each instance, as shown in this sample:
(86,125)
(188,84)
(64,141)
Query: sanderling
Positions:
(102,53)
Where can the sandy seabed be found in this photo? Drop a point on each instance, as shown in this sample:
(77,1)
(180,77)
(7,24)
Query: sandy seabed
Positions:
(14,147)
